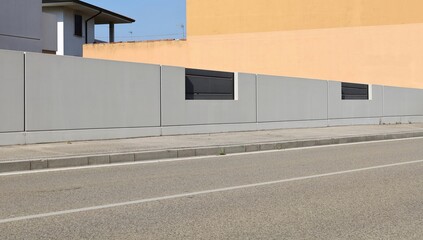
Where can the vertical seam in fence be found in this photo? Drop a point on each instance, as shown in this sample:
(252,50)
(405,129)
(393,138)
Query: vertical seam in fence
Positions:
(24,92)
(160,101)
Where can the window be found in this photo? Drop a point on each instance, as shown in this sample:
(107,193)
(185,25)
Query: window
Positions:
(353,91)
(205,85)
(78,25)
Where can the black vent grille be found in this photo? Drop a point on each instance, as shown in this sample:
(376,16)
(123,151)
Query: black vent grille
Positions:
(353,91)
(208,85)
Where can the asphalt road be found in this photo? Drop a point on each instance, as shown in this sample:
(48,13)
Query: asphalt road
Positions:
(355,191)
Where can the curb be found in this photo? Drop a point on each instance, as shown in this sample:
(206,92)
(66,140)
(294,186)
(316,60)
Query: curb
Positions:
(78,161)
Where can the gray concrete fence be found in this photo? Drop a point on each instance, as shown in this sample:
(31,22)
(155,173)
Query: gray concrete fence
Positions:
(47,98)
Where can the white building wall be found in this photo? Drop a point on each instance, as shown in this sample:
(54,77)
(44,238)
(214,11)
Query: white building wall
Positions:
(91,30)
(20,25)
(73,44)
(60,36)
(67,42)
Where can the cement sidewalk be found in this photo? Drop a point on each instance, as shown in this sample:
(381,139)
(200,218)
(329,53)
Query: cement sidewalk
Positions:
(56,155)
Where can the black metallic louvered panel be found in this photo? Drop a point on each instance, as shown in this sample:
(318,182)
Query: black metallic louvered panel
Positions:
(209,96)
(353,91)
(207,73)
(208,85)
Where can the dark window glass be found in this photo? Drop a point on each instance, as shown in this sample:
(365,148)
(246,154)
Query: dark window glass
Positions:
(204,85)
(353,91)
(78,25)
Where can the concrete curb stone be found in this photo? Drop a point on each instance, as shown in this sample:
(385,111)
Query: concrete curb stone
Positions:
(268,146)
(67,162)
(209,151)
(120,158)
(252,148)
(39,164)
(153,155)
(234,149)
(15,166)
(98,160)
(186,153)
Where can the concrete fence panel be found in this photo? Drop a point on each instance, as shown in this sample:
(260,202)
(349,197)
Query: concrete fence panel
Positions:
(291,99)
(176,111)
(69,93)
(343,112)
(11,91)
(402,102)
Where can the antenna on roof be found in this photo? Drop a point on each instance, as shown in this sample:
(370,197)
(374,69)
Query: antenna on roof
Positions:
(183,31)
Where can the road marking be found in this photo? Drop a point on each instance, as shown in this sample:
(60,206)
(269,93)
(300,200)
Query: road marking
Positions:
(218,190)
(199,157)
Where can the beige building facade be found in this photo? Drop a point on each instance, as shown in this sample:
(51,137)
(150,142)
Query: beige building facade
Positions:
(372,41)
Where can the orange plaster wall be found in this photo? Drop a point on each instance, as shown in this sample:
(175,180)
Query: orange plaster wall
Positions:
(210,17)
(386,55)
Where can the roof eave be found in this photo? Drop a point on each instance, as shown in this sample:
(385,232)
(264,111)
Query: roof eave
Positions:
(64,3)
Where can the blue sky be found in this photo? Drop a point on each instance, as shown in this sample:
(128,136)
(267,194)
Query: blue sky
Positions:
(155,19)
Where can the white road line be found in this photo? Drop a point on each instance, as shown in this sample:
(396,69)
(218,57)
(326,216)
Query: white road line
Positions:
(100,207)
(199,157)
